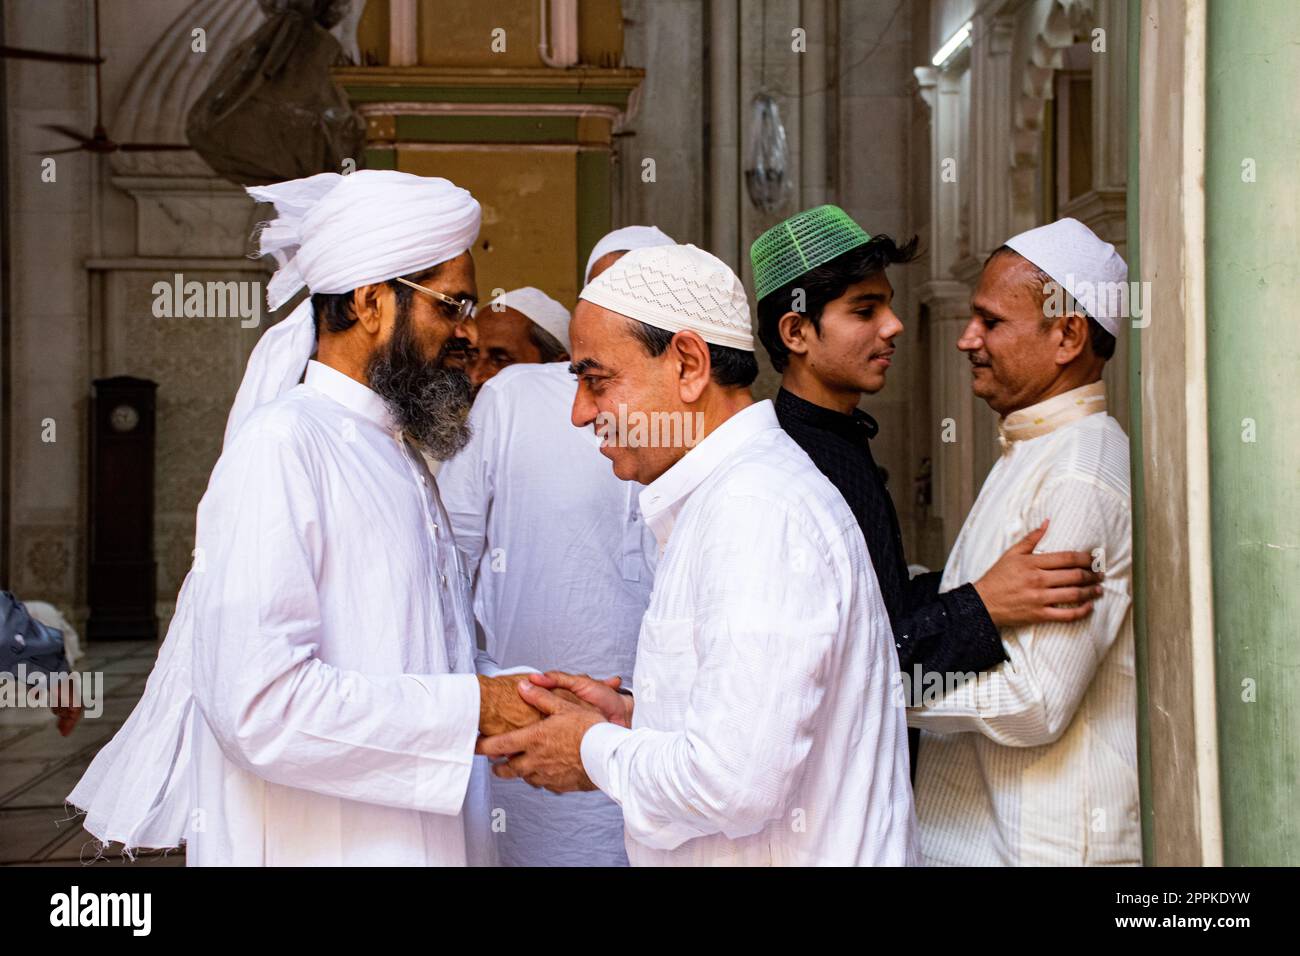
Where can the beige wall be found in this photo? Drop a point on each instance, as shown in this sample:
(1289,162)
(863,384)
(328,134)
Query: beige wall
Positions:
(86,250)
(529,200)
(857,113)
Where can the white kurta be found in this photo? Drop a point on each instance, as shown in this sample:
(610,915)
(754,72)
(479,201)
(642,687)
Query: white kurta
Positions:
(334,707)
(1036,762)
(765,730)
(562,581)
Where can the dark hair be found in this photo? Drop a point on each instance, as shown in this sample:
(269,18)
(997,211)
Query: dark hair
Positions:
(334,311)
(1101,341)
(730,367)
(823,285)
(547,344)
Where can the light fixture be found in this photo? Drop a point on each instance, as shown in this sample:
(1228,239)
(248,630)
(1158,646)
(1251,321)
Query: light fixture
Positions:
(767,173)
(953,45)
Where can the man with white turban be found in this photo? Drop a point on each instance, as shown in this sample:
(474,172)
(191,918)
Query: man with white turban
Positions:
(517,327)
(763,730)
(562,564)
(315,701)
(1035,762)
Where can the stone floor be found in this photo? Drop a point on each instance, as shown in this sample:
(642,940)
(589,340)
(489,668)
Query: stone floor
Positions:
(38,768)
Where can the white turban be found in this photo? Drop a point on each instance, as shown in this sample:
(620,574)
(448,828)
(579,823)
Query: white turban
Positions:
(1080,263)
(625,240)
(333,234)
(538,307)
(677,288)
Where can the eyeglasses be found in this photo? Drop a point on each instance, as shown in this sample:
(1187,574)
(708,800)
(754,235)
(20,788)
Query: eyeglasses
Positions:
(464,307)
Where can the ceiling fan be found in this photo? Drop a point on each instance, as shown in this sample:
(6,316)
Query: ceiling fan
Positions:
(98,141)
(50,56)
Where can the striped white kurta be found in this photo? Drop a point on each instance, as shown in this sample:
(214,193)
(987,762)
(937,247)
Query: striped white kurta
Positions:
(765,731)
(1035,763)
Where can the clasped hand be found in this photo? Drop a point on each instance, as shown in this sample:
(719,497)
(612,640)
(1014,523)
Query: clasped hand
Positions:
(538,736)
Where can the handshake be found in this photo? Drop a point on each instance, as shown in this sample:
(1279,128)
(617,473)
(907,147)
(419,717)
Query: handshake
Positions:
(532,725)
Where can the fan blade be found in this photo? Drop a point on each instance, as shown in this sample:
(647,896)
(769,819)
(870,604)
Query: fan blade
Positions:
(57,152)
(150,147)
(21,53)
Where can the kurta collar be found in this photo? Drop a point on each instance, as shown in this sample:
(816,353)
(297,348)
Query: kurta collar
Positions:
(856,426)
(1045,417)
(663,498)
(349,393)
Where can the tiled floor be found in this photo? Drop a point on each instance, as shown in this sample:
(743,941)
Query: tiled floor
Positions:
(38,768)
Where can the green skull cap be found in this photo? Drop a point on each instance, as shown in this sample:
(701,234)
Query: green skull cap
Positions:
(800,244)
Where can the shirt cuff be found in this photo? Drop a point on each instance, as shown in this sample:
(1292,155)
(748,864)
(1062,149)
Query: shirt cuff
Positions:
(486,665)
(446,760)
(597,750)
(985,641)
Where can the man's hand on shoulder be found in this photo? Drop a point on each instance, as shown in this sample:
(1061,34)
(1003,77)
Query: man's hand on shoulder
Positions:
(1026,588)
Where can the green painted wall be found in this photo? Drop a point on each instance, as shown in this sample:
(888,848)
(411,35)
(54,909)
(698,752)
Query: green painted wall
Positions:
(1253,257)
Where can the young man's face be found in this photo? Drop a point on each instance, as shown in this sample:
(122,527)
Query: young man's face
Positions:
(851,351)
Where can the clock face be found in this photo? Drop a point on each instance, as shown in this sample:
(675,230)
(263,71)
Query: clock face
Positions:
(124,418)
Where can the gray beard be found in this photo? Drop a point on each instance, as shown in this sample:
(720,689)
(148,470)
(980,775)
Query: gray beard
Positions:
(428,402)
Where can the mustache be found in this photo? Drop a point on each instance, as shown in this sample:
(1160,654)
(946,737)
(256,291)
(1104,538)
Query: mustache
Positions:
(979,361)
(451,347)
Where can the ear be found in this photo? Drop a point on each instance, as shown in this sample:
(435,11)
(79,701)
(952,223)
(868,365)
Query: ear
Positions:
(793,330)
(367,304)
(691,355)
(1074,338)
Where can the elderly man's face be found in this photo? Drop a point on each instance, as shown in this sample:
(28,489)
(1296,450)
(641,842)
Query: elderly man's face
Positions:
(1013,357)
(618,383)
(503,339)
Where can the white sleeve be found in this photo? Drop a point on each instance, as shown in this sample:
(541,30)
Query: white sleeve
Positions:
(276,709)
(485,664)
(1030,699)
(467,481)
(763,663)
